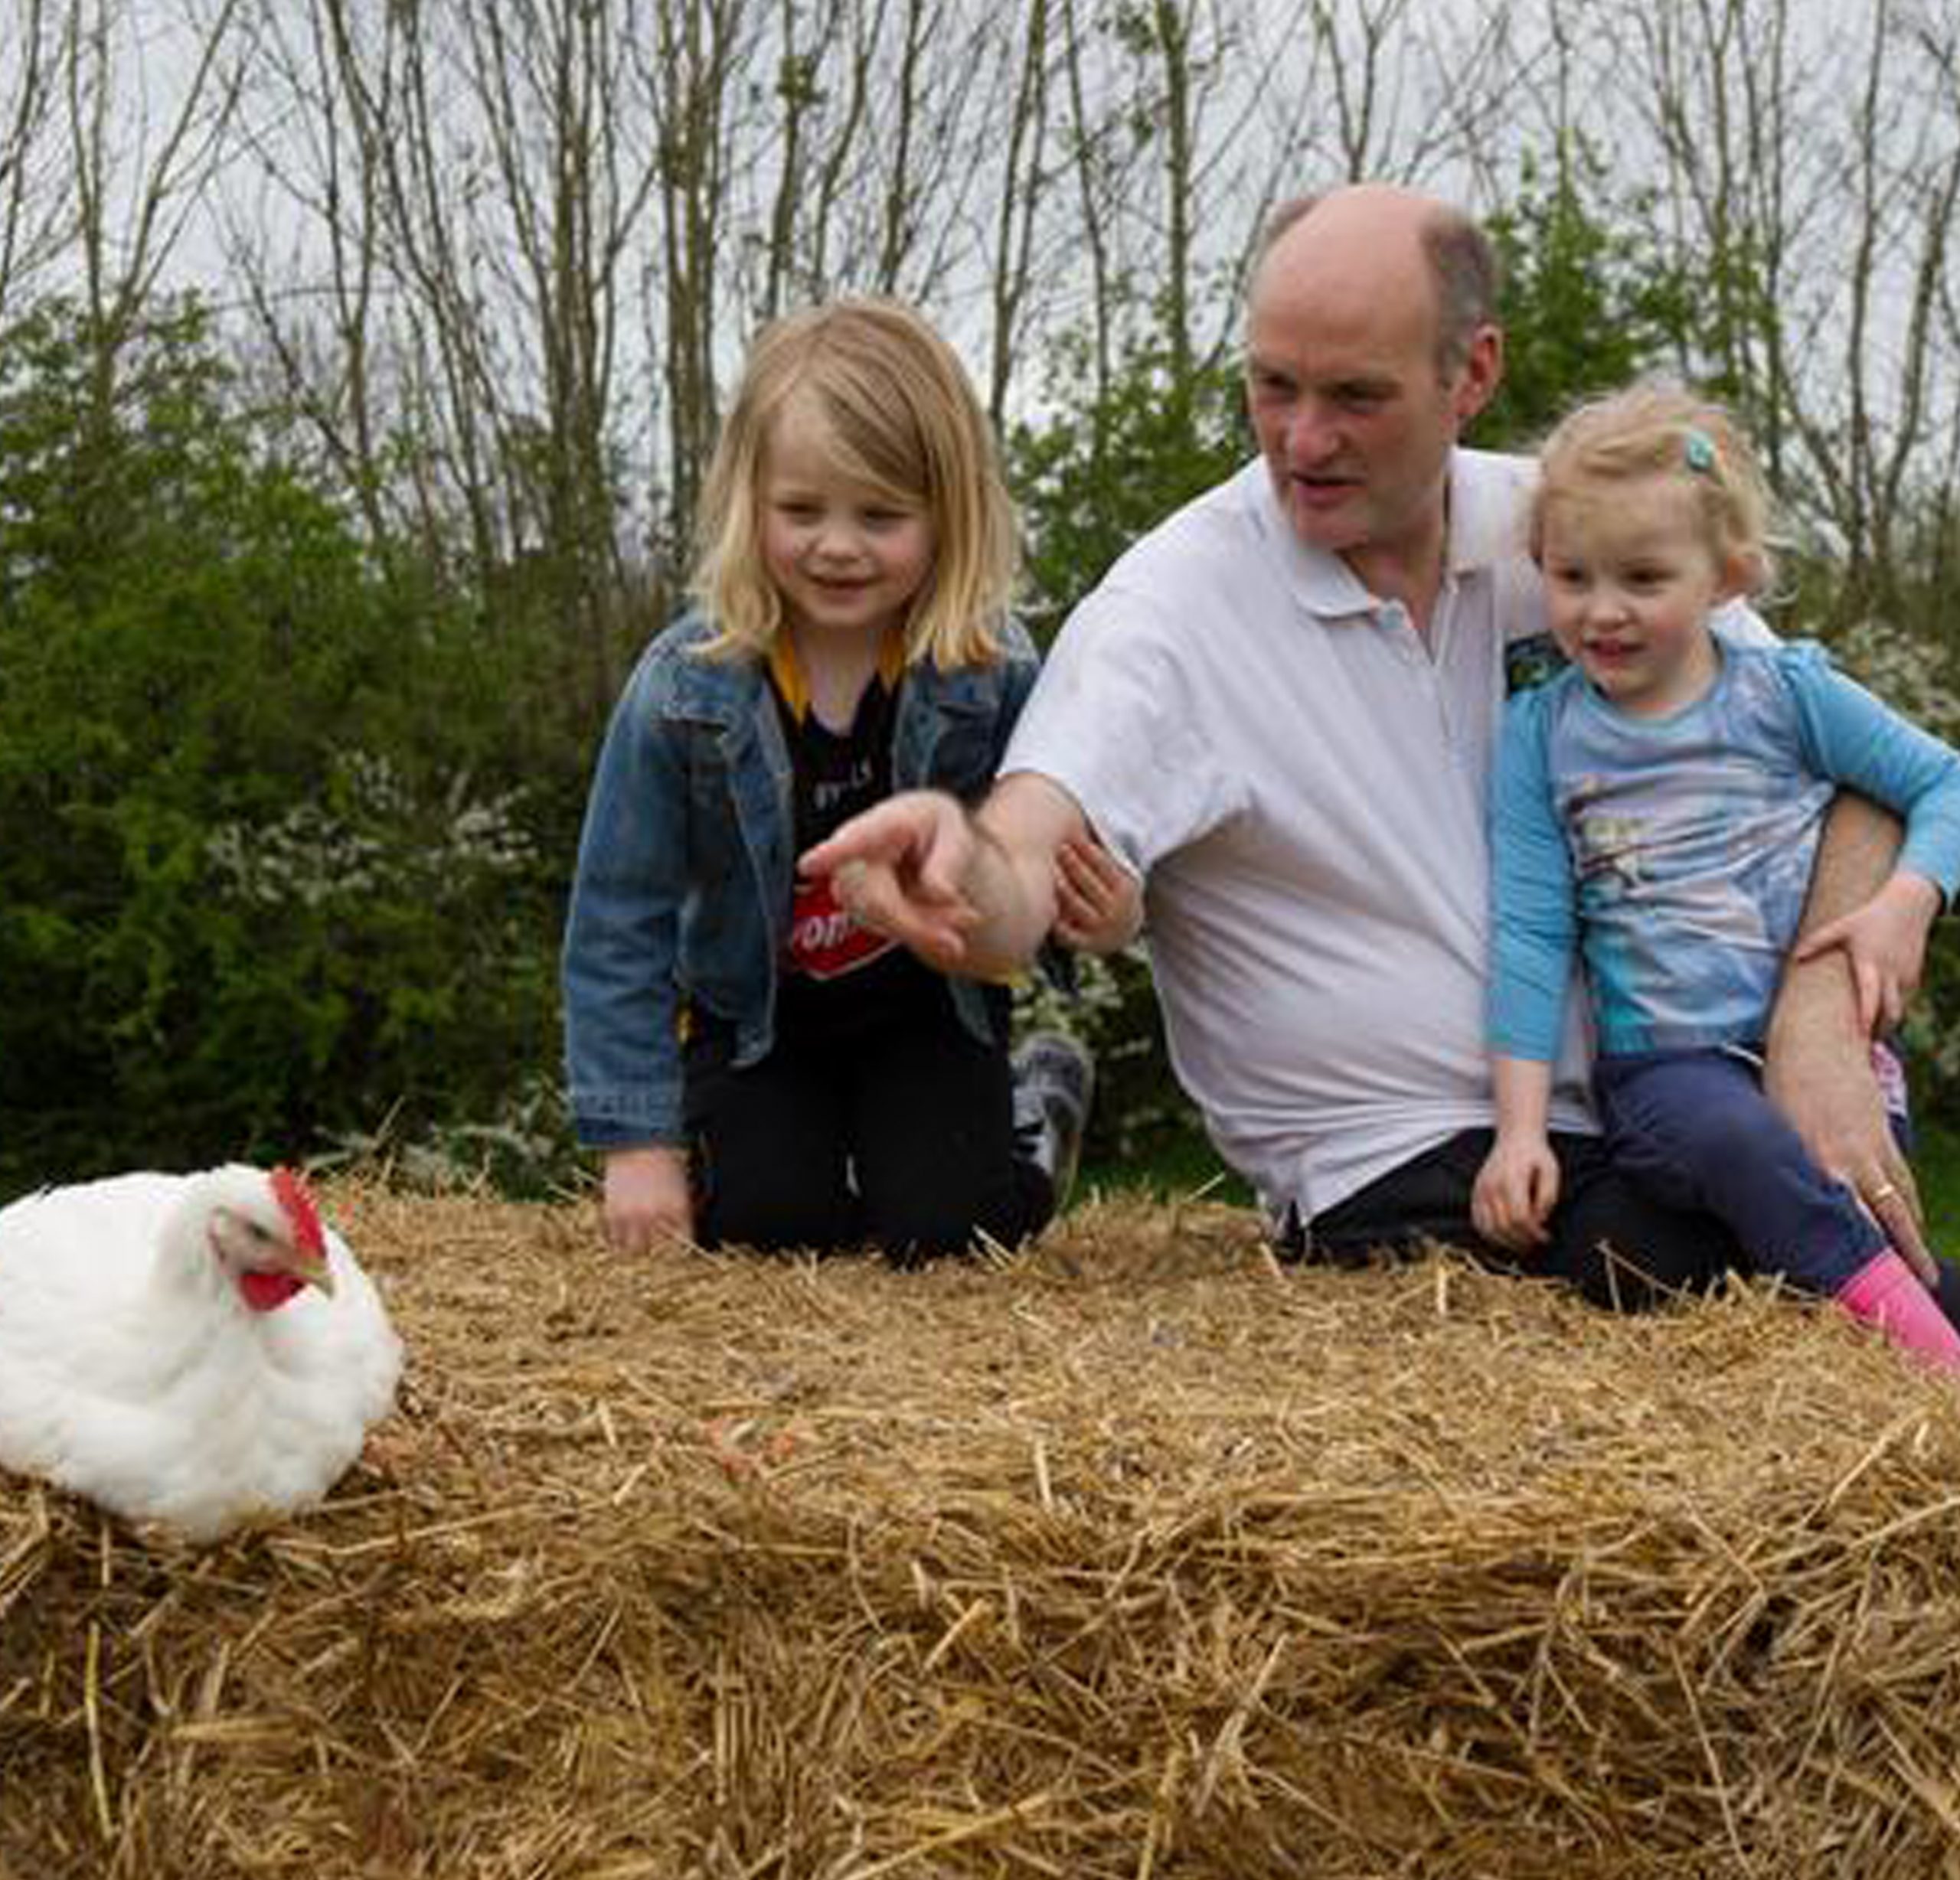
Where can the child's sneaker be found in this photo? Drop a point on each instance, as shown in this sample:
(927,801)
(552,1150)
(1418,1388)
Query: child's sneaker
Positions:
(1054,1078)
(1885,1292)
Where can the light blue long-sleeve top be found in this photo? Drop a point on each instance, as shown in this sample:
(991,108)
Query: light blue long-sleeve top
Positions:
(1674,852)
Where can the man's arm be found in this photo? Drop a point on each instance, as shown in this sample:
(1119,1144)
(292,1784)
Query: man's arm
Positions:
(1819,1071)
(971,893)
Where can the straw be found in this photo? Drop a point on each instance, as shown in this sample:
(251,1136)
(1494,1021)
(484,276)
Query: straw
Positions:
(1135,1555)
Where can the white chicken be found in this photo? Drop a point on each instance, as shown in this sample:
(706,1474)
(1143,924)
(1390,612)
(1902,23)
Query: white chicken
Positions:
(193,1350)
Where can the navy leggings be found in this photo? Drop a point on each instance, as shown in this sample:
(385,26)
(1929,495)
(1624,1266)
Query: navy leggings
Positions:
(1623,1244)
(1695,1128)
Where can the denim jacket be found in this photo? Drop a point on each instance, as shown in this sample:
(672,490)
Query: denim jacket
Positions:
(687,861)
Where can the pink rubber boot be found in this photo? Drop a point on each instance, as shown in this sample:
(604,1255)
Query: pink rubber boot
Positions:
(1885,1292)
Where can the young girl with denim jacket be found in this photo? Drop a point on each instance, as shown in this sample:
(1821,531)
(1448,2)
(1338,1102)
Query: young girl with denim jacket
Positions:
(752,1066)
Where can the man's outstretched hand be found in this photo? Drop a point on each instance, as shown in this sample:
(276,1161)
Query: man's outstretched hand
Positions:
(900,869)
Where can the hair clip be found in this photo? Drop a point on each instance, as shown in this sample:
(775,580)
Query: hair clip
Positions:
(1699,451)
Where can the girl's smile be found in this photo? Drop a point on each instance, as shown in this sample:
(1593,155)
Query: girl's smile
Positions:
(847,556)
(1630,580)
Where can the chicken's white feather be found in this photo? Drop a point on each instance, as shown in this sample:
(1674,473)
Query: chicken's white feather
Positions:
(134,1372)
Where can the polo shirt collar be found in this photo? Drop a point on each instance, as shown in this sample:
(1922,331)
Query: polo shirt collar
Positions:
(1484,509)
(1482,528)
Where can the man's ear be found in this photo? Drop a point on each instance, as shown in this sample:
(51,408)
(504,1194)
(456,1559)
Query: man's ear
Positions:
(1482,370)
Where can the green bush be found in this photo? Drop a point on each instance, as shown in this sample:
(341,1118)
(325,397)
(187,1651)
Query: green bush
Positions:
(1588,304)
(1095,472)
(262,878)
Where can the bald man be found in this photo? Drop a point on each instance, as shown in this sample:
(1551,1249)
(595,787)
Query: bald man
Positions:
(1278,711)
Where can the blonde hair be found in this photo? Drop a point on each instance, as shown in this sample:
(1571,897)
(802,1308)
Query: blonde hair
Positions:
(1657,430)
(902,417)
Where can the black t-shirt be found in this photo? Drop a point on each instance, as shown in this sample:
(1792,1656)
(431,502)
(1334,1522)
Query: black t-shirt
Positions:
(837,976)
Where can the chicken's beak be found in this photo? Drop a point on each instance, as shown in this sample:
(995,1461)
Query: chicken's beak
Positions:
(314,1273)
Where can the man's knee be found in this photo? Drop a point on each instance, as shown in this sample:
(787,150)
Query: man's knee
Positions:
(1623,1246)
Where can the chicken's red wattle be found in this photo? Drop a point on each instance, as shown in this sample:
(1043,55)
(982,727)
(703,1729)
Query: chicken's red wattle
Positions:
(267,1292)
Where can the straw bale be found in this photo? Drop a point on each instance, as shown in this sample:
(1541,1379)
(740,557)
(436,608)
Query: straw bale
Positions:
(1135,1555)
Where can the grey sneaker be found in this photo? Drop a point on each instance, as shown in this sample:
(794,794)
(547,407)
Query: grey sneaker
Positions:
(1054,1078)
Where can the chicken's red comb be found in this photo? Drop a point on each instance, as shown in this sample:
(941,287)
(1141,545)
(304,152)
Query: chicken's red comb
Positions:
(289,1191)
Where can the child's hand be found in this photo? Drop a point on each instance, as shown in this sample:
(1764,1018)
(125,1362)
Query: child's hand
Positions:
(1098,906)
(1517,1189)
(647,1197)
(1884,944)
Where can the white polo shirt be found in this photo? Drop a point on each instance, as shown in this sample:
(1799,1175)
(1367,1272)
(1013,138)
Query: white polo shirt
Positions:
(1300,782)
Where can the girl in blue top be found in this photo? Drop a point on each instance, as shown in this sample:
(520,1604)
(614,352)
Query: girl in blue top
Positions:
(1656,810)
(753,1066)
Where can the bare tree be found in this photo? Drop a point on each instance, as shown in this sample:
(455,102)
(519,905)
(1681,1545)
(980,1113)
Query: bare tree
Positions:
(134,178)
(505,256)
(471,182)
(310,270)
(1810,174)
(550,78)
(1024,195)
(1167,105)
(698,47)
(1095,153)
(35,222)
(1389,89)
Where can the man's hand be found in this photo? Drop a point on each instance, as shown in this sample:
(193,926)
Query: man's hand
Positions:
(1829,1092)
(1884,943)
(647,1198)
(1818,1069)
(901,868)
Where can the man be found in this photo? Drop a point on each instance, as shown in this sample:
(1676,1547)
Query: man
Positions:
(1278,709)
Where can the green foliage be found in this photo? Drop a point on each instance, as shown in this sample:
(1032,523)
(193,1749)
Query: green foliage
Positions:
(1907,656)
(1096,470)
(261,877)
(1936,1168)
(1588,303)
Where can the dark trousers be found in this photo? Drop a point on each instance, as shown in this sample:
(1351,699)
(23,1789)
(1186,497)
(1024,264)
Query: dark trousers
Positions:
(1694,1129)
(1620,1246)
(899,1135)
